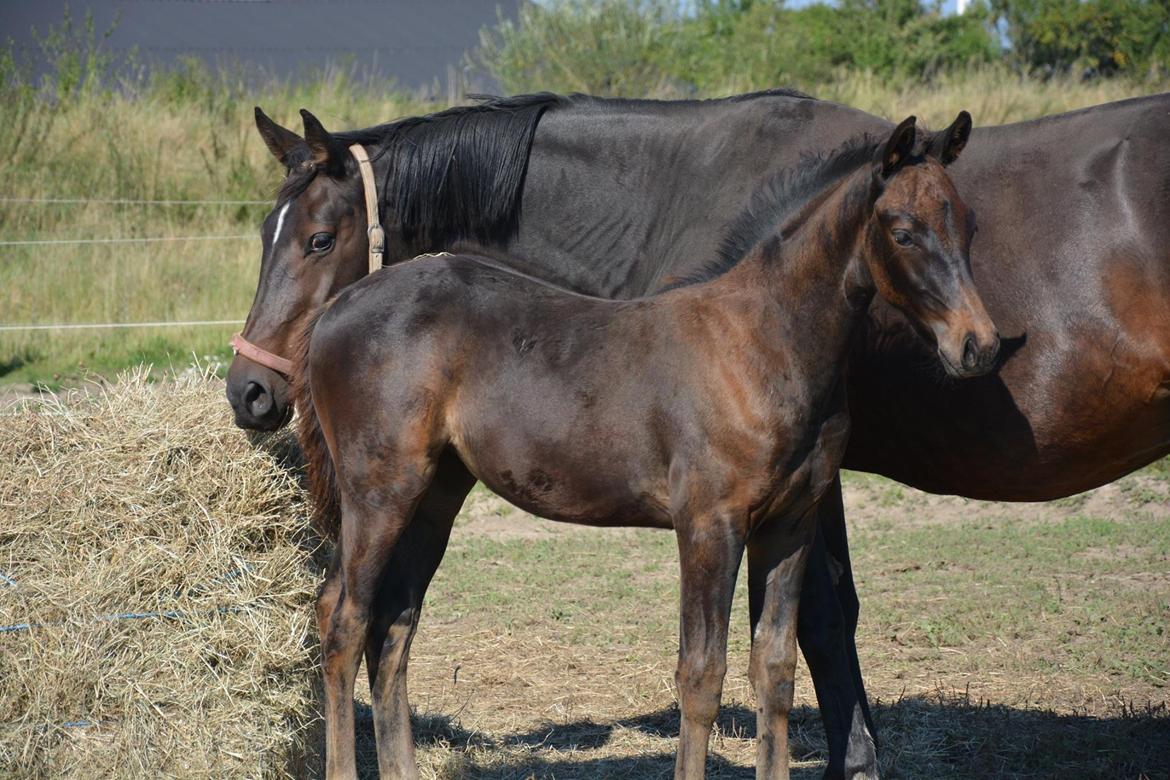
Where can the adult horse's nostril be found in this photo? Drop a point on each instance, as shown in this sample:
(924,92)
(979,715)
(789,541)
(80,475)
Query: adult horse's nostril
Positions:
(257,399)
(970,353)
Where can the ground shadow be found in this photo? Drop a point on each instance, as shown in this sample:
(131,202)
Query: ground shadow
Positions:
(941,736)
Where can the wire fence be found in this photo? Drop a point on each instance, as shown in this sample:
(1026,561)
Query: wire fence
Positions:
(138,202)
(119,240)
(79,241)
(109,325)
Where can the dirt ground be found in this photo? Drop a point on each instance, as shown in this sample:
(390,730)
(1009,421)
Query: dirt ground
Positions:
(997,640)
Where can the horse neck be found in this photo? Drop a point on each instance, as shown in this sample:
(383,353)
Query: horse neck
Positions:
(810,272)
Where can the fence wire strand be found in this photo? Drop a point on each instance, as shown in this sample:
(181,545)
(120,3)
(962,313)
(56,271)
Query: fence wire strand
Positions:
(133,202)
(110,325)
(144,240)
(123,240)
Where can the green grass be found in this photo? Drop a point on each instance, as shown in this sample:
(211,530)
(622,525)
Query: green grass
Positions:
(998,640)
(187,135)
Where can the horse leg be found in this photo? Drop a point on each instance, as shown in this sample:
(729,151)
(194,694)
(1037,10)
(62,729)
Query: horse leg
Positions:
(777,553)
(371,525)
(860,755)
(827,629)
(416,557)
(710,559)
(328,599)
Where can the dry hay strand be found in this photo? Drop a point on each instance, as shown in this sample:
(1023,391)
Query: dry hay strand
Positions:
(156,592)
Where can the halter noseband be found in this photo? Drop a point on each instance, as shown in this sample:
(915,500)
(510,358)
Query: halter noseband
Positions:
(377,239)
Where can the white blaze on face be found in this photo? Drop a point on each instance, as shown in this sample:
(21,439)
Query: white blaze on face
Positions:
(280,223)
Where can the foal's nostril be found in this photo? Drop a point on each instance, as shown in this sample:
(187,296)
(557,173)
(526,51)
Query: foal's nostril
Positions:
(970,353)
(257,399)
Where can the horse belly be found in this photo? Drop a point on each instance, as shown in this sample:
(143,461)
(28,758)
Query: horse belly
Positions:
(567,495)
(542,452)
(1070,411)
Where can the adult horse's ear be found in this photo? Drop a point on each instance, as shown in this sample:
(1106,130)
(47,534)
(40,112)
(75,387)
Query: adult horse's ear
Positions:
(899,147)
(282,142)
(327,153)
(947,144)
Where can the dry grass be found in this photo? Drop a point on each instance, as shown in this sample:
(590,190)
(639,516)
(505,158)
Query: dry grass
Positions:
(194,141)
(998,640)
(144,500)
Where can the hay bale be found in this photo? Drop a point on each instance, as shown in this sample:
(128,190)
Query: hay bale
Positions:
(164,564)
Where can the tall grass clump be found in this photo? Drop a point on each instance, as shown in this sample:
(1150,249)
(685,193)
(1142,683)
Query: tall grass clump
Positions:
(98,130)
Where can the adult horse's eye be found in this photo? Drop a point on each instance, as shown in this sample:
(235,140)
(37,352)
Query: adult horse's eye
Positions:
(321,242)
(903,238)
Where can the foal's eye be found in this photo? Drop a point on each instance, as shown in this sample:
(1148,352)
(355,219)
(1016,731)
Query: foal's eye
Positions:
(903,238)
(321,242)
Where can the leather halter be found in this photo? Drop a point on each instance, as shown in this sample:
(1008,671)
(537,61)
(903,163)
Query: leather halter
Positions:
(377,241)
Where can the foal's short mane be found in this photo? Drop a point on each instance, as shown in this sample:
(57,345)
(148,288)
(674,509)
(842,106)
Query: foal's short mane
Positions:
(779,197)
(458,174)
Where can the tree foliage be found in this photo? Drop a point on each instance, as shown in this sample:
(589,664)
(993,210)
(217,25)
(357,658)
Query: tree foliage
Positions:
(653,46)
(1093,37)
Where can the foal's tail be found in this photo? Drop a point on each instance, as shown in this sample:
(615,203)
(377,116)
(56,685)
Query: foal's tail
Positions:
(322,476)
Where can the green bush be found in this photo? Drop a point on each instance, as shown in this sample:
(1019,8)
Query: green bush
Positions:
(1094,37)
(650,46)
(655,47)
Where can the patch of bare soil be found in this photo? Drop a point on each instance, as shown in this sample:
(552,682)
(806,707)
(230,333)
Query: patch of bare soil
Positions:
(869,499)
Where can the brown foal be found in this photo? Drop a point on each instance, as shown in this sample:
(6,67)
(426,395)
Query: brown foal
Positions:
(716,409)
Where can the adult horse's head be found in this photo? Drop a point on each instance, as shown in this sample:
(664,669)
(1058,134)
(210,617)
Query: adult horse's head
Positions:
(451,176)
(315,243)
(919,245)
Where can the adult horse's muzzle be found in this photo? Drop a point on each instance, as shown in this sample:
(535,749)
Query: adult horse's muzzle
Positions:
(260,397)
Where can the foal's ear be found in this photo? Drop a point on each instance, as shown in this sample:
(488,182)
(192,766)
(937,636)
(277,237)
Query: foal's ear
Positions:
(283,143)
(327,153)
(947,144)
(899,147)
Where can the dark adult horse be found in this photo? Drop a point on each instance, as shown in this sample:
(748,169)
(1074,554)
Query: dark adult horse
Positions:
(608,195)
(716,409)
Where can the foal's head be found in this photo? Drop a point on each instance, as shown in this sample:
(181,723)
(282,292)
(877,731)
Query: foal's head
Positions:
(918,241)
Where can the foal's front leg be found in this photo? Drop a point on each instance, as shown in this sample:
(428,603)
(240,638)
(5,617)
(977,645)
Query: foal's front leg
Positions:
(399,605)
(777,554)
(710,550)
(369,531)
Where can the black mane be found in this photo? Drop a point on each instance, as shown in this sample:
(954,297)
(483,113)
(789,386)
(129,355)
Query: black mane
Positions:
(579,99)
(778,198)
(458,174)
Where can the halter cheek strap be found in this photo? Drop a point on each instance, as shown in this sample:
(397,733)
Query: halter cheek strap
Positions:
(377,240)
(374,232)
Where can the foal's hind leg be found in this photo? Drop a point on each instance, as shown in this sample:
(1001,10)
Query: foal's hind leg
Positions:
(710,550)
(371,524)
(777,553)
(397,609)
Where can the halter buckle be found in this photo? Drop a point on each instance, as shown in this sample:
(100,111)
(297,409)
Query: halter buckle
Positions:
(377,237)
